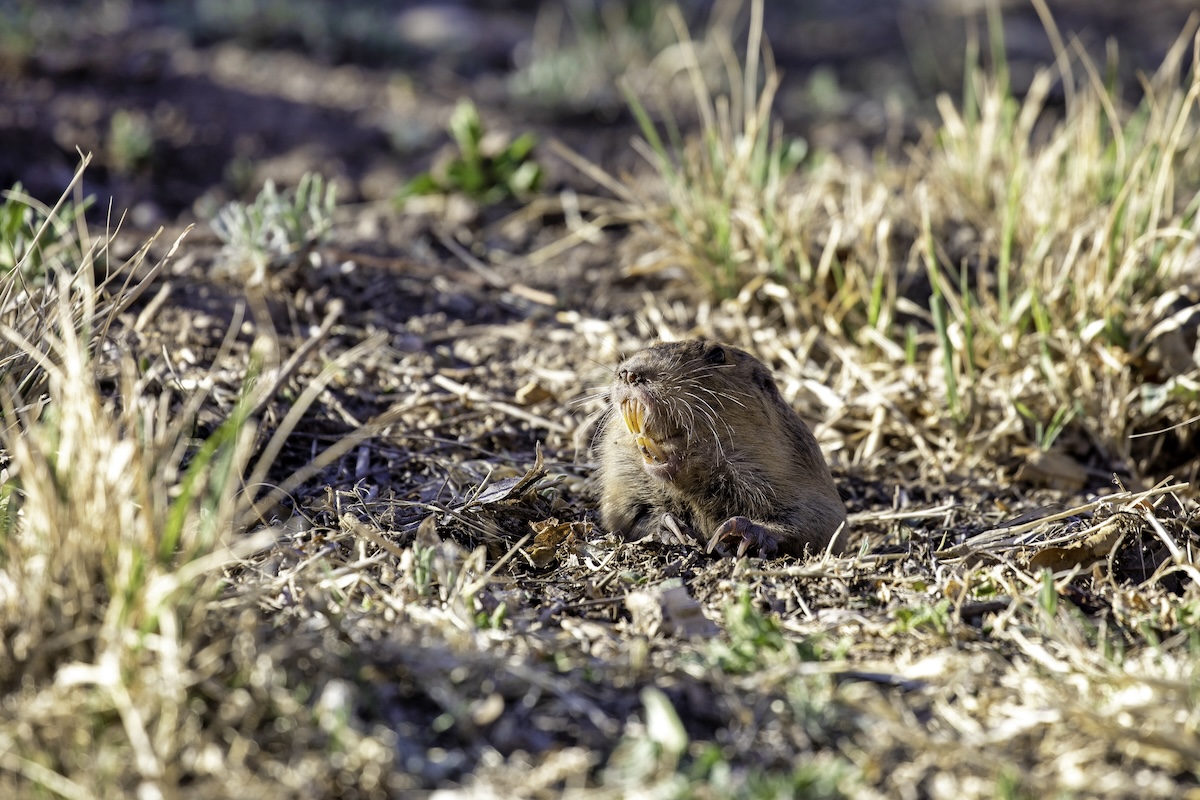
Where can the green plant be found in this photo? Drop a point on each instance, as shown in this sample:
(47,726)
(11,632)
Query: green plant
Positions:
(753,637)
(41,261)
(17,38)
(1045,434)
(1093,220)
(756,640)
(576,66)
(652,755)
(130,141)
(30,26)
(275,228)
(32,236)
(1076,223)
(934,617)
(485,173)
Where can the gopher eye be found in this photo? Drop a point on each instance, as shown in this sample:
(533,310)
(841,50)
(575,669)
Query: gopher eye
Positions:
(715,354)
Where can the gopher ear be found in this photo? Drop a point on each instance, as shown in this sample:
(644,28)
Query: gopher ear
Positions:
(765,381)
(715,354)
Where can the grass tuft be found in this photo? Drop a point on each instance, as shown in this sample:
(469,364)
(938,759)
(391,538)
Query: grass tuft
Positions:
(110,550)
(724,216)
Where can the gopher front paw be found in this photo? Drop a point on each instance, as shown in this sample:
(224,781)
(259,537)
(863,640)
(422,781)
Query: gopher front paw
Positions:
(745,533)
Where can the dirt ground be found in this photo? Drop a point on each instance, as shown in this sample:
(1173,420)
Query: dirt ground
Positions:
(483,354)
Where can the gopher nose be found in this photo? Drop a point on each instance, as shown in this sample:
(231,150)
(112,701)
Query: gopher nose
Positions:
(629,376)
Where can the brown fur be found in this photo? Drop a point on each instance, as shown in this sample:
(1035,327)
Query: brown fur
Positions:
(725,452)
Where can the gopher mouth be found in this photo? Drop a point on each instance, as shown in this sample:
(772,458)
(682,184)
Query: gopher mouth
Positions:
(633,412)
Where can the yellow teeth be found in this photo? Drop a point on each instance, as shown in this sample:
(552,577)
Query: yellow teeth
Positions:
(634,415)
(650,450)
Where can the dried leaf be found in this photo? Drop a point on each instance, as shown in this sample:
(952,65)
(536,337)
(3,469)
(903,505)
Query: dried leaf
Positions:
(512,488)
(1052,469)
(1081,553)
(531,393)
(549,534)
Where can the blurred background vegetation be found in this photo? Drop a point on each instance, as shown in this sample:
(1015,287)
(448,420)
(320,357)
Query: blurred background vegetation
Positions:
(186,102)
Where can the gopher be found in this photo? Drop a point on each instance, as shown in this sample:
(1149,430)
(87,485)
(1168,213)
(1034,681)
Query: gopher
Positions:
(698,446)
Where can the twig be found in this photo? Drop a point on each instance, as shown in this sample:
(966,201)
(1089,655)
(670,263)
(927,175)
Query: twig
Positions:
(916,513)
(493,278)
(359,528)
(467,393)
(1001,537)
(297,358)
(482,581)
(260,508)
(153,307)
(127,295)
(1156,526)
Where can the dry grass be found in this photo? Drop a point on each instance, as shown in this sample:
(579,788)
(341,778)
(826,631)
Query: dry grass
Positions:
(116,527)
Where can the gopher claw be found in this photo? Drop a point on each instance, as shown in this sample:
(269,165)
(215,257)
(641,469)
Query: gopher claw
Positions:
(747,534)
(675,531)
